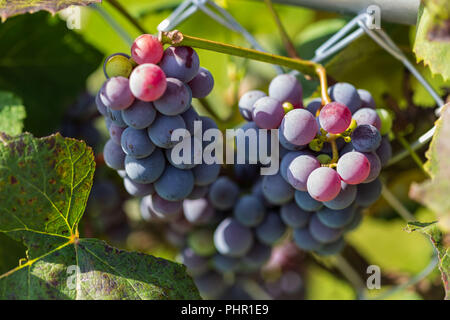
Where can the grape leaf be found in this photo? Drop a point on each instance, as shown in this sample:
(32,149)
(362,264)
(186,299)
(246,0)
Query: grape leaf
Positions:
(9,8)
(434,50)
(47,68)
(44,186)
(12,113)
(437,238)
(433,193)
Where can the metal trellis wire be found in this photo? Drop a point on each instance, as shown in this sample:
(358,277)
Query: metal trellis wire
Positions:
(188,7)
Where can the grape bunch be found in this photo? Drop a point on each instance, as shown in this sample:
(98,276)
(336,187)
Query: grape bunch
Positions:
(229,224)
(331,157)
(144,100)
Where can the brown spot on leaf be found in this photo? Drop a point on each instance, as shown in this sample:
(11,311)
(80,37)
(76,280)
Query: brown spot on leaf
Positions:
(12,180)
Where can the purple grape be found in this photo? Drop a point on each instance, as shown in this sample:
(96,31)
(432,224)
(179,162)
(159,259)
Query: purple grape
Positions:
(299,127)
(321,232)
(189,117)
(293,216)
(366,99)
(174,184)
(344,199)
(286,88)
(286,161)
(185,162)
(299,170)
(138,189)
(198,212)
(100,106)
(305,241)
(336,218)
(276,190)
(136,143)
(384,151)
(367,116)
(306,202)
(146,170)
(247,102)
(249,211)
(162,128)
(366,138)
(139,115)
(368,193)
(116,118)
(205,174)
(115,93)
(233,239)
(175,100)
(181,63)
(271,229)
(166,210)
(375,166)
(258,255)
(198,192)
(346,94)
(223,193)
(202,84)
(267,113)
(115,133)
(314,106)
(113,155)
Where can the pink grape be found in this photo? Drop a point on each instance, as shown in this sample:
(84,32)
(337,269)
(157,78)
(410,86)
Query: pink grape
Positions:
(353,167)
(299,170)
(147,49)
(299,127)
(148,82)
(324,184)
(335,117)
(115,93)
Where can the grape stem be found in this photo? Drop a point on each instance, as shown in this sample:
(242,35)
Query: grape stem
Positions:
(313,69)
(290,48)
(334,148)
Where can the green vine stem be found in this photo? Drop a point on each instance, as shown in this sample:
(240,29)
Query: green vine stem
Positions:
(116,4)
(290,48)
(176,38)
(413,154)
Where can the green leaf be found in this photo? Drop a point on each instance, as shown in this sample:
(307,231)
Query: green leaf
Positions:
(10,8)
(437,238)
(434,51)
(44,186)
(12,113)
(433,193)
(47,68)
(10,253)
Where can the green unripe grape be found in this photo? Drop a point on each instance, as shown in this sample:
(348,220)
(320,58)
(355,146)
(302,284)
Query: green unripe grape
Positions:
(316,145)
(201,241)
(119,66)
(386,121)
(324,158)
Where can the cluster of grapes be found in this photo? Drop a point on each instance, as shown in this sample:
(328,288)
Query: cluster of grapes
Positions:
(227,226)
(146,98)
(331,157)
